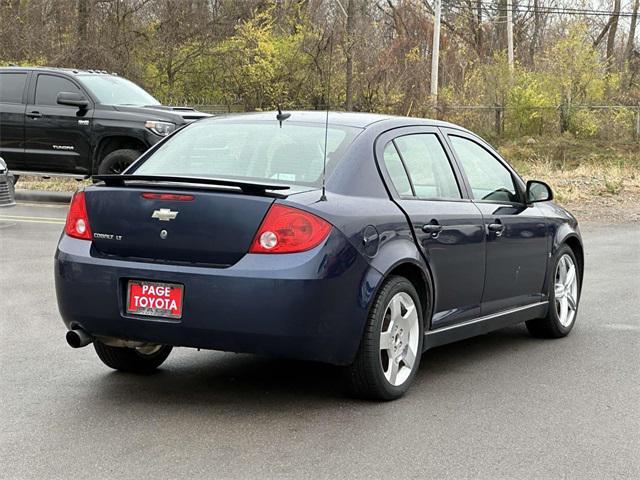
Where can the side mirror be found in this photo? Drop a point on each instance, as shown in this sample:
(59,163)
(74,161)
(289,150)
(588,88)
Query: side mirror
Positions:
(538,191)
(72,99)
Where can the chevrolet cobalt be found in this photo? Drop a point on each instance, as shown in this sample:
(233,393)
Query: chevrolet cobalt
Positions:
(358,240)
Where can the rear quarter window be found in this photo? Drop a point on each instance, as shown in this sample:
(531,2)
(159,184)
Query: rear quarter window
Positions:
(396,171)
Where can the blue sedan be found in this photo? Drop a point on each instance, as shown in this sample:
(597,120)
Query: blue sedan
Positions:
(360,242)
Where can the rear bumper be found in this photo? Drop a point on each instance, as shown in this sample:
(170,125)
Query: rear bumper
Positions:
(310,305)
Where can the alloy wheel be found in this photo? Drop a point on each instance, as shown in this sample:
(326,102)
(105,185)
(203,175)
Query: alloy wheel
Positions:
(399,339)
(566,290)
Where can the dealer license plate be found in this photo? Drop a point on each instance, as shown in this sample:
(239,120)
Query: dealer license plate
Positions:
(154,299)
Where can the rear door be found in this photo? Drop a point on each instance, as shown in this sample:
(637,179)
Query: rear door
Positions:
(516,232)
(448,227)
(57,136)
(12,108)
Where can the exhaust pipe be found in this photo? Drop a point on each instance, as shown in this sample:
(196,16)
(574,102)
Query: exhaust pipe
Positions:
(78,338)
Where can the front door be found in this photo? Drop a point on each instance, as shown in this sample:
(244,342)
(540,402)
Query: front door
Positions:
(57,136)
(12,107)
(516,233)
(448,228)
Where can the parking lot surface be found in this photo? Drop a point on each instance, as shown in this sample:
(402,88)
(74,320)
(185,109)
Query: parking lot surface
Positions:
(503,405)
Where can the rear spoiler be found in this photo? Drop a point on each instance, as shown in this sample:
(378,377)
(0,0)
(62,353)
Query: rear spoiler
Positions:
(246,187)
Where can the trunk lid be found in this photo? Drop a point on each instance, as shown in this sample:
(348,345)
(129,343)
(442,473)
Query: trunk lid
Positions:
(212,227)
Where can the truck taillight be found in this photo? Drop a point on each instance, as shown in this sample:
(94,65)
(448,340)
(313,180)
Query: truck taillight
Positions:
(77,225)
(289,230)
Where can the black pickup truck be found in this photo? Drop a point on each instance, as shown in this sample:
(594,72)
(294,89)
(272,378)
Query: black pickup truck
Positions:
(56,121)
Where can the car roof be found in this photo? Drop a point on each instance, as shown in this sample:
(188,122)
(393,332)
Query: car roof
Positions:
(347,119)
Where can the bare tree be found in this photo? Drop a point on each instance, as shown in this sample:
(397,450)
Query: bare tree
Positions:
(82,53)
(613,29)
(536,31)
(609,30)
(628,53)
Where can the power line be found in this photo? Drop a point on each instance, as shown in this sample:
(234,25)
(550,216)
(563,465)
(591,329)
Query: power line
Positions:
(567,9)
(561,10)
(541,9)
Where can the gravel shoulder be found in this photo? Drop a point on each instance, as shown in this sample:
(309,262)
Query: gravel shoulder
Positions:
(623,208)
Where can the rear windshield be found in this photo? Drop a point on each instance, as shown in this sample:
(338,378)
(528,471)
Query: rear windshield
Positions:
(260,151)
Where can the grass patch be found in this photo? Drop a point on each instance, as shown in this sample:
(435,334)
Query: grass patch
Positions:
(53,184)
(577,170)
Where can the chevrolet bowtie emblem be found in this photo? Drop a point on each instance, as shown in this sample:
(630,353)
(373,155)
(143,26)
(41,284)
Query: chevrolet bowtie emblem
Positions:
(164,214)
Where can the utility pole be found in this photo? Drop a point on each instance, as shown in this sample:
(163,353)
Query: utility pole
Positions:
(350,27)
(435,54)
(510,34)
(348,50)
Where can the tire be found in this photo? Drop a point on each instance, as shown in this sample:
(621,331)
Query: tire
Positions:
(555,324)
(14,178)
(131,359)
(370,376)
(117,161)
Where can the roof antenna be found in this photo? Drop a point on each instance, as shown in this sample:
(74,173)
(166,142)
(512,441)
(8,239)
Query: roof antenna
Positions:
(281,117)
(323,197)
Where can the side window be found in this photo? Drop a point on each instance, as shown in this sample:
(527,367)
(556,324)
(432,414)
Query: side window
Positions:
(429,169)
(49,86)
(396,170)
(489,179)
(11,87)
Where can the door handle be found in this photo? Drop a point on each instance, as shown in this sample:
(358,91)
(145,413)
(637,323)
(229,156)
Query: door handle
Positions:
(434,228)
(34,114)
(497,227)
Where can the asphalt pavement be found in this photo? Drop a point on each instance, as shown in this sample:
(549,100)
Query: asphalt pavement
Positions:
(499,406)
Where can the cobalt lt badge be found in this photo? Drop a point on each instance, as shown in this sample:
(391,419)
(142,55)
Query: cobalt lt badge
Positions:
(163,234)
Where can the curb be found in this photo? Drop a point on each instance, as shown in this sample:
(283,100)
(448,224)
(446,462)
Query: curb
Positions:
(43,197)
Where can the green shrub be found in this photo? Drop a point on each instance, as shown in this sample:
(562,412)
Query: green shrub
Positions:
(529,105)
(584,123)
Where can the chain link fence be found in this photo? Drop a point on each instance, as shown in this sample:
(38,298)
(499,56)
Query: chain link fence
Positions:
(605,122)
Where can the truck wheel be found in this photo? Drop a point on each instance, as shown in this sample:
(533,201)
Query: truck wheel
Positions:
(117,161)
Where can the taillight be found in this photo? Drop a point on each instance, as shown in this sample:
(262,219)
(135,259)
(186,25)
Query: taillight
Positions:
(289,230)
(77,225)
(167,196)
